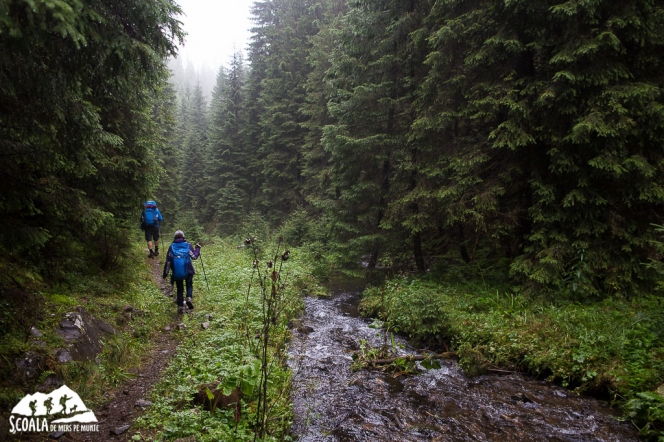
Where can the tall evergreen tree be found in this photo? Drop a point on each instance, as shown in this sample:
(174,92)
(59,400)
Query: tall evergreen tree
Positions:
(317,188)
(77,81)
(283,95)
(373,70)
(227,171)
(549,117)
(261,41)
(193,162)
(168,156)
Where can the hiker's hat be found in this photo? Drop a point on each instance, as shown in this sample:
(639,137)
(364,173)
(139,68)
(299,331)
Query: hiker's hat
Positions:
(178,233)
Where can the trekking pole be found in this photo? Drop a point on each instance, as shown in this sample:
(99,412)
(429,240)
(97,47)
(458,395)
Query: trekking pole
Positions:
(204,275)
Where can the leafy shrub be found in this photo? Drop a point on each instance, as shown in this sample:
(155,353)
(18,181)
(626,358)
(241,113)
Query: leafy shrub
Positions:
(295,230)
(646,410)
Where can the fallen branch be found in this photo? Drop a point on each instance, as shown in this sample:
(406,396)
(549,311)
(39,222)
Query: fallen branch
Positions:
(446,355)
(496,370)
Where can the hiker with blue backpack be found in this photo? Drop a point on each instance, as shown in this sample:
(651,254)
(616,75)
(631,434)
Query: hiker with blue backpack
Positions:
(150,219)
(179,263)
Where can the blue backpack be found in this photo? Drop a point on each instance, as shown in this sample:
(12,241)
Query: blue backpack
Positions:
(181,260)
(150,213)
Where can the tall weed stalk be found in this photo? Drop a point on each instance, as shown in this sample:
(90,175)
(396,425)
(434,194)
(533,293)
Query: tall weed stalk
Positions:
(268,277)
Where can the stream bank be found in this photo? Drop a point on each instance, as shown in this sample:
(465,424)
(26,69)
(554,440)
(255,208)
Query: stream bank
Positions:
(332,403)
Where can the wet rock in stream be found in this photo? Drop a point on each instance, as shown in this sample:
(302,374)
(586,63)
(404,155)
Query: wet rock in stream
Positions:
(332,403)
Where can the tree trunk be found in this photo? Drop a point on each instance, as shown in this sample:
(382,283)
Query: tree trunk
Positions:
(417,250)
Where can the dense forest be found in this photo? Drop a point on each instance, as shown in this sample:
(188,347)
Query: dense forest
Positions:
(82,111)
(522,136)
(512,143)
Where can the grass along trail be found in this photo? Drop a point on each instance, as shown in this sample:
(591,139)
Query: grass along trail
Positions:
(220,351)
(125,401)
(132,361)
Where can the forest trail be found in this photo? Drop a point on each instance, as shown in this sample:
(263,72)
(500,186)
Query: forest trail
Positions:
(121,409)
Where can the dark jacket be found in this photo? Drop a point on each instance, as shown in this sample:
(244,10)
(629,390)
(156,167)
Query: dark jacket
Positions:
(194,253)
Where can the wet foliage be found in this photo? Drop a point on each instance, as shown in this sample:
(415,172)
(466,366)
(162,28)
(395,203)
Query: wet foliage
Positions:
(253,292)
(104,296)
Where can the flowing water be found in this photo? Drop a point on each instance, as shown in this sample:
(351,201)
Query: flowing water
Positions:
(332,403)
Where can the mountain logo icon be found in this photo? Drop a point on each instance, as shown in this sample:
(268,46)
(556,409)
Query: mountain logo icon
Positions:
(41,412)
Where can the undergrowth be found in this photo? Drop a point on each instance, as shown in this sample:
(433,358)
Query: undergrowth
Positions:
(610,348)
(227,354)
(105,296)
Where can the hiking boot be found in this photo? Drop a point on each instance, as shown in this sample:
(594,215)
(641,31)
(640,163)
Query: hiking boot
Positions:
(180,310)
(151,255)
(156,251)
(189,304)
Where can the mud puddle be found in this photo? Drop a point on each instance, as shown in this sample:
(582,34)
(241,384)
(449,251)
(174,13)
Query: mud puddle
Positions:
(332,403)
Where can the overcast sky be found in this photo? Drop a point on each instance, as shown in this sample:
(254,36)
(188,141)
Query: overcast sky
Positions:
(215,30)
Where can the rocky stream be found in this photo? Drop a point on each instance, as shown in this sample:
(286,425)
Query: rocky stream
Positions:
(333,403)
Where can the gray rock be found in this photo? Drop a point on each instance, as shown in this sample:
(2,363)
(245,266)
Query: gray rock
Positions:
(143,403)
(305,329)
(28,367)
(120,430)
(83,332)
(167,328)
(63,356)
(205,325)
(209,316)
(106,327)
(50,383)
(294,323)
(56,434)
(181,326)
(70,328)
(36,333)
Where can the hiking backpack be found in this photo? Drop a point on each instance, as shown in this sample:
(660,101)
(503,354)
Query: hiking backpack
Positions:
(149,213)
(181,260)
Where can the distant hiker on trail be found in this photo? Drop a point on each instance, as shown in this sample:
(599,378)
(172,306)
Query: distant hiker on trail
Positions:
(150,219)
(179,262)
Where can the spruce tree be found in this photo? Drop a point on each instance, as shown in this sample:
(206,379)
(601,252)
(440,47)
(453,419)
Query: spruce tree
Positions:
(549,119)
(77,83)
(263,13)
(193,161)
(282,96)
(166,193)
(228,161)
(317,188)
(373,70)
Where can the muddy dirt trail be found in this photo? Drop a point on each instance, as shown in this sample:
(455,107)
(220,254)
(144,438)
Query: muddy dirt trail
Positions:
(333,403)
(124,404)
